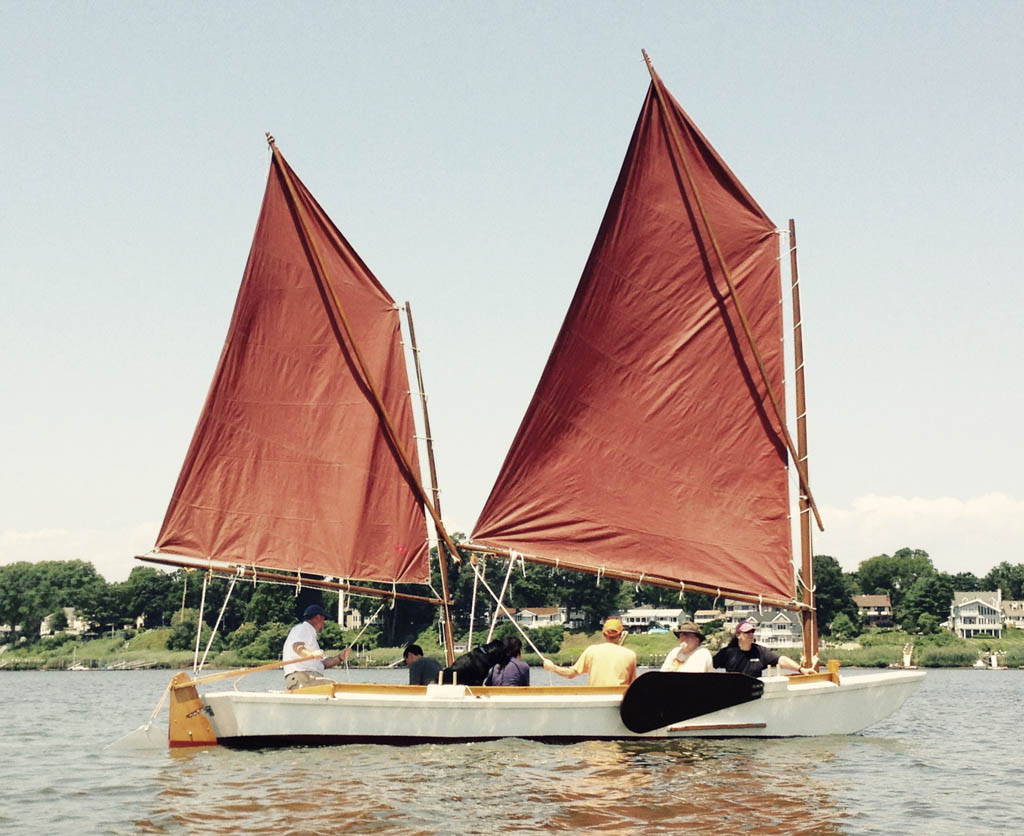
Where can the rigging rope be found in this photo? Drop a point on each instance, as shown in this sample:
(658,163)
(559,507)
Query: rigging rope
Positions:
(199,624)
(220,615)
(512,556)
(501,607)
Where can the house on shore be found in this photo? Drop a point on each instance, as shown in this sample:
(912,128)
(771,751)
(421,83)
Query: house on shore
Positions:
(533,617)
(775,627)
(874,610)
(639,619)
(1013,614)
(976,613)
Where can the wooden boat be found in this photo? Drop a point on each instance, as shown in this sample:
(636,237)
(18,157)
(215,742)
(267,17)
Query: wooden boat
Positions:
(655,449)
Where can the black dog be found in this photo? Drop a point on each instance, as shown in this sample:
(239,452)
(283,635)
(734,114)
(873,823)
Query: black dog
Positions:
(472,668)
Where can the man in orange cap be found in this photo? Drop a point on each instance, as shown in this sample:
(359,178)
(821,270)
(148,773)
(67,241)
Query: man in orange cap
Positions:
(607,663)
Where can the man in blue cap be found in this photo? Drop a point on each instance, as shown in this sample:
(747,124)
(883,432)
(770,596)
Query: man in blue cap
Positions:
(299,646)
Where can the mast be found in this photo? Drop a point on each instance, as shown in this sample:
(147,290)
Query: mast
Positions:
(442,552)
(810,621)
(727,273)
(317,265)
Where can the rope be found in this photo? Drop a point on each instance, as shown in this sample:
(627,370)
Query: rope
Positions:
(472,608)
(199,625)
(512,555)
(502,607)
(220,615)
(682,589)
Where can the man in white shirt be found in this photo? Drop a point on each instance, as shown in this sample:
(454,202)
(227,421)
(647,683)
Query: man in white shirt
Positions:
(688,656)
(301,644)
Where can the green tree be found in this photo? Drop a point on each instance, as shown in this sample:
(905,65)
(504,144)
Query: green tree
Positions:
(966,582)
(930,594)
(894,574)
(833,593)
(842,627)
(927,624)
(1009,578)
(146,594)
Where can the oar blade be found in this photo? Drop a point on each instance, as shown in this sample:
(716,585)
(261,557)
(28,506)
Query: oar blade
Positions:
(657,699)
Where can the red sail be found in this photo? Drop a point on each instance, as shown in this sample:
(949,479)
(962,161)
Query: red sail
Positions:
(650,445)
(289,467)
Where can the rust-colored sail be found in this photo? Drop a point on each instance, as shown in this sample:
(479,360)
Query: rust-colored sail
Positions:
(650,445)
(289,467)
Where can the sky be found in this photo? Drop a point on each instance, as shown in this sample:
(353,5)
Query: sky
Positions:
(467,151)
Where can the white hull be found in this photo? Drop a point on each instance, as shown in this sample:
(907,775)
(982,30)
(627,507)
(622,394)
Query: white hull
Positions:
(454,713)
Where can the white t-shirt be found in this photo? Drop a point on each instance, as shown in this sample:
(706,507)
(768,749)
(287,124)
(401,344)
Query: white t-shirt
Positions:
(679,661)
(305,633)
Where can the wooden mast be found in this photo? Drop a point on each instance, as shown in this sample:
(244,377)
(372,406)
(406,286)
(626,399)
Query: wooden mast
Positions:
(810,620)
(316,262)
(727,273)
(442,552)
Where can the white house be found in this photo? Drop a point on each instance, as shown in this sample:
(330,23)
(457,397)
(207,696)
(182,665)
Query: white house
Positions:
(76,626)
(1013,614)
(543,616)
(976,613)
(638,619)
(775,627)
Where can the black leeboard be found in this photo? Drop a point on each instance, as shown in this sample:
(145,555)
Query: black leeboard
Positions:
(659,699)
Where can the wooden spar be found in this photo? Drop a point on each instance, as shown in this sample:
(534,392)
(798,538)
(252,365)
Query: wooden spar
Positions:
(636,577)
(810,621)
(727,273)
(316,262)
(231,570)
(442,552)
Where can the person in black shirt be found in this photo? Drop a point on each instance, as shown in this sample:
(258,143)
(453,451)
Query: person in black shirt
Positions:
(744,655)
(422,669)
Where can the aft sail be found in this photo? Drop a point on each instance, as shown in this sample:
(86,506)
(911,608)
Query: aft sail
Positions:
(291,466)
(650,446)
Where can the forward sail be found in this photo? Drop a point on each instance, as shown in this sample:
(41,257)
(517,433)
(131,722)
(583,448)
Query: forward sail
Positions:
(650,446)
(290,466)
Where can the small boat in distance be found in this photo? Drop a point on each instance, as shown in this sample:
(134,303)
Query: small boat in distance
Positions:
(655,450)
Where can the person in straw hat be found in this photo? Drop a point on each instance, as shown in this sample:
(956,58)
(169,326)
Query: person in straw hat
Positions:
(605,663)
(688,656)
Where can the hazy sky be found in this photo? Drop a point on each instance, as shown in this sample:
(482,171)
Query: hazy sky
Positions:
(467,151)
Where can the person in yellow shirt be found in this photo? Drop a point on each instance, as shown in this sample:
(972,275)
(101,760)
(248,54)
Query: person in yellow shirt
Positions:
(606,663)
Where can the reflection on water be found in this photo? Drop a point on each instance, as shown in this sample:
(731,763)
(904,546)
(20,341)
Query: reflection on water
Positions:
(944,762)
(512,786)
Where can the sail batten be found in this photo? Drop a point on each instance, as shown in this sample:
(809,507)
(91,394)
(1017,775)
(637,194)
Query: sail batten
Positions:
(290,466)
(651,444)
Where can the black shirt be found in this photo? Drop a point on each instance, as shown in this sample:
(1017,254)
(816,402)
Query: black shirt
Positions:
(750,662)
(424,671)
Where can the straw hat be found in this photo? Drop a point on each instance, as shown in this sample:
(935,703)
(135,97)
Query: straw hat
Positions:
(688,627)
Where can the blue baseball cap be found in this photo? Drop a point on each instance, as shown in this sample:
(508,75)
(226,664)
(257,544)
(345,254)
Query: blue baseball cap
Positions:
(312,611)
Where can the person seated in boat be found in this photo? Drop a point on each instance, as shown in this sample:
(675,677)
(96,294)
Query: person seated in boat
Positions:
(515,671)
(744,655)
(688,656)
(301,643)
(422,669)
(605,663)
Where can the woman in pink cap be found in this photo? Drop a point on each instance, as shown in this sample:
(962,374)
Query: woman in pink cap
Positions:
(744,655)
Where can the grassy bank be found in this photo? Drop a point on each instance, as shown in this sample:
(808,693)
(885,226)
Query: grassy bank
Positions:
(148,649)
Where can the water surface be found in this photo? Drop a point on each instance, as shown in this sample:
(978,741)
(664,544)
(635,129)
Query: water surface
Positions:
(949,762)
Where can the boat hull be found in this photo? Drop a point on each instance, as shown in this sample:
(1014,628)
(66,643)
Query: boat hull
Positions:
(401,715)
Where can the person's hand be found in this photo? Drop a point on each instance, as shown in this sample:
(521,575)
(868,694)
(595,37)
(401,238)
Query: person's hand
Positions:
(344,655)
(549,665)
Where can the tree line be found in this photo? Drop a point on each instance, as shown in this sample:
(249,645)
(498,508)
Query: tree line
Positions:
(32,592)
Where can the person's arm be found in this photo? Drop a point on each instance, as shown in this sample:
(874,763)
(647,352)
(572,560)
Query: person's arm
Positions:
(790,665)
(568,673)
(334,661)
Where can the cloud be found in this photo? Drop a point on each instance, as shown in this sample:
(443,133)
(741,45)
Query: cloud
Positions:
(960,535)
(111,551)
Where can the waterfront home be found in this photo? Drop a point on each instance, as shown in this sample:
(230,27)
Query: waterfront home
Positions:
(874,610)
(976,613)
(702,617)
(639,619)
(775,627)
(543,616)
(1013,614)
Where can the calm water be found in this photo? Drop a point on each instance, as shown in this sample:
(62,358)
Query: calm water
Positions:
(951,761)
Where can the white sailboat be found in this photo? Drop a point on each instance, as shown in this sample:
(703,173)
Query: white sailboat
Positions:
(655,450)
